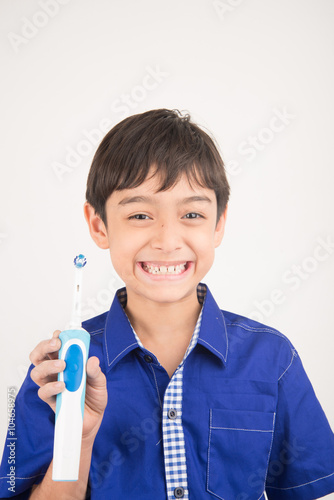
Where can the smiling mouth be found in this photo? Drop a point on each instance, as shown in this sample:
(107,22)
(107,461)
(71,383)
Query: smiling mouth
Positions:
(167,268)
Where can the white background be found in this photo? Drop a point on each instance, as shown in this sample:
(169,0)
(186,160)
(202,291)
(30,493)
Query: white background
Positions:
(233,68)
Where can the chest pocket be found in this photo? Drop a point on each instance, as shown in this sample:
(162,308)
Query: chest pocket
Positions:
(239,449)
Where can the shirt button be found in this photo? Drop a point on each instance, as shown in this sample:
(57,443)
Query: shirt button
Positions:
(148,358)
(172,414)
(179,492)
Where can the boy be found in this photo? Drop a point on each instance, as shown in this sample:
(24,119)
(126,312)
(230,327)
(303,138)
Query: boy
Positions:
(183,400)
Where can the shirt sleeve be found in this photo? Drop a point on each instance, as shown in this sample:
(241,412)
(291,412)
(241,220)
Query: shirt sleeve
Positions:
(301,465)
(28,447)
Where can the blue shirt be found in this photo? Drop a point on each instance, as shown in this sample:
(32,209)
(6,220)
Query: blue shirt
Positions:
(250,419)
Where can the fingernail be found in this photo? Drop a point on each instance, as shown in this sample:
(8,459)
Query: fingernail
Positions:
(53,342)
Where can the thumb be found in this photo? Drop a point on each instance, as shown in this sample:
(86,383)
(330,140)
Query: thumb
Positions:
(96,393)
(94,373)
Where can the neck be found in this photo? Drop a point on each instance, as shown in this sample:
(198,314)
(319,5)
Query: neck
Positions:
(154,321)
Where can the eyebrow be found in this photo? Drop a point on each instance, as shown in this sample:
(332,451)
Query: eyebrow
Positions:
(148,199)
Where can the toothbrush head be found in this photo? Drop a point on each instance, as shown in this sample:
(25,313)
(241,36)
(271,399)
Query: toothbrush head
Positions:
(80,261)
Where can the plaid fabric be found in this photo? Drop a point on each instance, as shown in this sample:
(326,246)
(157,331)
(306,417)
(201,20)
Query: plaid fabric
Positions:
(172,428)
(173,438)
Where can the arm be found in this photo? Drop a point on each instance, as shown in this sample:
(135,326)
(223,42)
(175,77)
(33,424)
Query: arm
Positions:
(301,465)
(67,490)
(47,366)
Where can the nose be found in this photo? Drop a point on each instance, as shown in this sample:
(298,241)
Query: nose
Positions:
(166,237)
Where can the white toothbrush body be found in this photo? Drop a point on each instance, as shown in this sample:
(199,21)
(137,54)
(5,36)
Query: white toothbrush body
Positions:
(70,403)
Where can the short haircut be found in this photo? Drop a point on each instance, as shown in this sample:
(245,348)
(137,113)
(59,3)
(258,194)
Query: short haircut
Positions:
(165,140)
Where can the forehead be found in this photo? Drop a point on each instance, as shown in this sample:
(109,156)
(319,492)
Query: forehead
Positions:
(150,190)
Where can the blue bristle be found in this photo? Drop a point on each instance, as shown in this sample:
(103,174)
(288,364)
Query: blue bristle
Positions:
(80,261)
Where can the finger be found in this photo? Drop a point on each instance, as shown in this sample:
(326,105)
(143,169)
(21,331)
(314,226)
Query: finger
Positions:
(47,371)
(47,349)
(55,344)
(95,377)
(48,393)
(96,393)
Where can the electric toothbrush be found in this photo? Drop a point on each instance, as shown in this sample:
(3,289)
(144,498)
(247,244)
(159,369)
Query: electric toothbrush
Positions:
(70,403)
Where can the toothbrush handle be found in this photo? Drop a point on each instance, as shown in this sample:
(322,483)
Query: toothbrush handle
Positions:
(70,405)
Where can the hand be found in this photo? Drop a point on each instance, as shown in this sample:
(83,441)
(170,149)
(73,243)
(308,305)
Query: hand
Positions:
(47,367)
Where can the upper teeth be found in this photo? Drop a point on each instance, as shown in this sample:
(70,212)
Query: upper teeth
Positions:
(165,269)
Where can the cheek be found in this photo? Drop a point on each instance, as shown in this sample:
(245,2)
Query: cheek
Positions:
(118,253)
(209,255)
(123,251)
(121,263)
(205,241)
(119,240)
(205,253)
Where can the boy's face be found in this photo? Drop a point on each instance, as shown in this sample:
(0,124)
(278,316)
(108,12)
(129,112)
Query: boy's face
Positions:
(161,243)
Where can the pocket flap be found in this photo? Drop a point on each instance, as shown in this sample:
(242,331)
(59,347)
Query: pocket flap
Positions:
(242,420)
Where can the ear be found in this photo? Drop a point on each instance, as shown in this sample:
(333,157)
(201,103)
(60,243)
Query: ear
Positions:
(96,226)
(220,228)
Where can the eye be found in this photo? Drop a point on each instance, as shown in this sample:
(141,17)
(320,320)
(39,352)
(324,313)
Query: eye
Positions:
(193,215)
(139,217)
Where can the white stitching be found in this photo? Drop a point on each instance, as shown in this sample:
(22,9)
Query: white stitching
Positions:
(293,356)
(105,342)
(237,429)
(128,347)
(252,430)
(259,329)
(274,332)
(156,385)
(271,445)
(226,338)
(96,332)
(222,355)
(208,472)
(30,477)
(300,485)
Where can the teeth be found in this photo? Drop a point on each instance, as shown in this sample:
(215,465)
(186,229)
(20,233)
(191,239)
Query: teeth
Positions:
(165,269)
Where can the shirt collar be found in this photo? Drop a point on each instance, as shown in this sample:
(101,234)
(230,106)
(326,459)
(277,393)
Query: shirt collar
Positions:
(212,334)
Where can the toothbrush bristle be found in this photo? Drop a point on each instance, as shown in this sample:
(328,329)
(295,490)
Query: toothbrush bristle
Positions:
(80,261)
